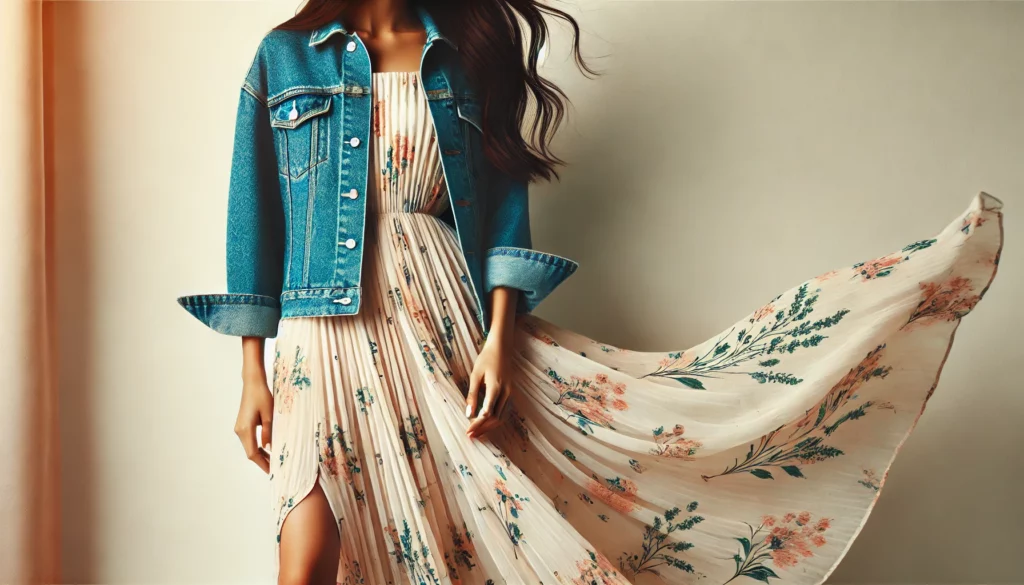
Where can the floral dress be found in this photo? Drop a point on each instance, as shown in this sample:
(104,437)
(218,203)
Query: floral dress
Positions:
(754,456)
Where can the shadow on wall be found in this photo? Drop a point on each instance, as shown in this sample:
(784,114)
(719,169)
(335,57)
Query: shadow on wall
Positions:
(71,242)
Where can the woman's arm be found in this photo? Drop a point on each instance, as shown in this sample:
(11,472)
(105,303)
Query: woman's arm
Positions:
(492,366)
(257,408)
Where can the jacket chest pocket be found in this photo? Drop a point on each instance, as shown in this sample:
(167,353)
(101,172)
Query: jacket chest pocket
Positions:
(302,128)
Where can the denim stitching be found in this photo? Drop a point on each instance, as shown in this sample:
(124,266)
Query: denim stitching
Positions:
(207,300)
(289,124)
(529,254)
(355,90)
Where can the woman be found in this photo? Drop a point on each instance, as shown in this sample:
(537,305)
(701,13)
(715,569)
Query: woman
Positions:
(378,226)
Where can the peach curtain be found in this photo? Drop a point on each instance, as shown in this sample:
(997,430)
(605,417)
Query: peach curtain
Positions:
(29,482)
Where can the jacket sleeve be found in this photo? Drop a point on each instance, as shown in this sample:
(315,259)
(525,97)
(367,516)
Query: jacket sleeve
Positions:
(255,232)
(509,257)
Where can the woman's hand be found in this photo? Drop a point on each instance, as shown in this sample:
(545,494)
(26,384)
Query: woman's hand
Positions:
(257,408)
(492,366)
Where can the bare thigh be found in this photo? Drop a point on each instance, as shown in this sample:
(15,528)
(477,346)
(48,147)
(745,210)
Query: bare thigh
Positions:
(310,543)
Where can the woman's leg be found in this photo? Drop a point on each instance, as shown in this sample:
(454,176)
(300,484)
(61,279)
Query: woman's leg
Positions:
(310,543)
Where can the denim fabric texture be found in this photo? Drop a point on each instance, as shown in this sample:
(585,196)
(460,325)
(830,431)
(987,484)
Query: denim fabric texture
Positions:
(296,195)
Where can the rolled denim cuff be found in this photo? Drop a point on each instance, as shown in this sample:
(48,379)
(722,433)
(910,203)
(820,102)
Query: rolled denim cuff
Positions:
(242,315)
(534,273)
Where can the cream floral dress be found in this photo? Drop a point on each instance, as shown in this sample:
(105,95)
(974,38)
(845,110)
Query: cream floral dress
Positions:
(754,456)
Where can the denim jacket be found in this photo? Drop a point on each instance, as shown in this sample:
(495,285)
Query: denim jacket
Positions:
(297,189)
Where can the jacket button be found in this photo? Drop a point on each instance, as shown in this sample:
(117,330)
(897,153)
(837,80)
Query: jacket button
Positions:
(354,141)
(345,300)
(351,194)
(350,243)
(351,46)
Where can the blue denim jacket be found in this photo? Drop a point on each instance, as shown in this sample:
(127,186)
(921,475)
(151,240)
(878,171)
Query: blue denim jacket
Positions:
(296,198)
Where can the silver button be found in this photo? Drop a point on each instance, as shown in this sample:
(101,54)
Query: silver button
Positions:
(354,141)
(345,300)
(351,46)
(351,194)
(350,243)
(292,115)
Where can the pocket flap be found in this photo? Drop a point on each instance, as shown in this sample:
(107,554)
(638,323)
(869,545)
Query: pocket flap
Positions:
(469,110)
(299,108)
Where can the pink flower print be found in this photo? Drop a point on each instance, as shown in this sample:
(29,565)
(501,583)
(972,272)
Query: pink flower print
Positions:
(378,114)
(945,301)
(618,493)
(673,444)
(971,220)
(502,488)
(785,541)
(289,379)
(596,569)
(589,401)
(826,275)
(880,266)
(764,311)
(403,149)
(285,399)
(870,481)
(677,360)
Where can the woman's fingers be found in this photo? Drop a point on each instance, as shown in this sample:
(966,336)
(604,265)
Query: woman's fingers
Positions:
(474,389)
(245,428)
(499,409)
(247,434)
(494,400)
(266,434)
(485,426)
(493,389)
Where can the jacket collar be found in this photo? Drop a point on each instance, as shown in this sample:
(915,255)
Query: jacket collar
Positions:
(335,26)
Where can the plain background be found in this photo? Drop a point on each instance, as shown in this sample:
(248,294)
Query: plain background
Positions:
(730,151)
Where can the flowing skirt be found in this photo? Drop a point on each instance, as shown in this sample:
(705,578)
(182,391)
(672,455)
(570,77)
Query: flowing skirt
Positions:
(756,455)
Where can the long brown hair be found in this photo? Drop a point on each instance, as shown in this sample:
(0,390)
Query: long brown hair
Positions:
(491,42)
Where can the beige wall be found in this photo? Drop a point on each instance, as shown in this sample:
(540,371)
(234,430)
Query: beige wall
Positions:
(731,151)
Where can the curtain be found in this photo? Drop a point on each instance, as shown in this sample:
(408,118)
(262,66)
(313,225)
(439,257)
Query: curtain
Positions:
(29,480)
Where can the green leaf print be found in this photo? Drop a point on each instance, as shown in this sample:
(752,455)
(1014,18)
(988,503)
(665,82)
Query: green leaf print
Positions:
(691,382)
(661,544)
(804,444)
(509,507)
(416,557)
(770,330)
(793,470)
(414,436)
